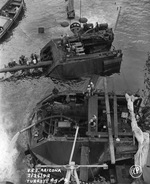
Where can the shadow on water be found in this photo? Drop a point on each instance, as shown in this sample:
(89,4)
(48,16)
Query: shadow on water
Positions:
(9,33)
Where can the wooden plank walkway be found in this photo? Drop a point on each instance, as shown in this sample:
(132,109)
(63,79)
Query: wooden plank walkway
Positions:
(115,117)
(92,110)
(109,125)
(84,161)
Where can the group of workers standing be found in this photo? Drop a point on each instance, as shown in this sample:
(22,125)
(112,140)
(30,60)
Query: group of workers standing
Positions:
(90,92)
(71,49)
(90,89)
(24,61)
(94,120)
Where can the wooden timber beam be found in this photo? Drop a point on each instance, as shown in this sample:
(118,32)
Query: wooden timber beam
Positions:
(84,160)
(115,117)
(92,110)
(109,125)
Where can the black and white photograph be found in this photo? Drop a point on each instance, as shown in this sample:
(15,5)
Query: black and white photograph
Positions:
(75,91)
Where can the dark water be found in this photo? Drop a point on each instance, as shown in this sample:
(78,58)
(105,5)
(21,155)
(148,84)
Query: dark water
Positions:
(132,36)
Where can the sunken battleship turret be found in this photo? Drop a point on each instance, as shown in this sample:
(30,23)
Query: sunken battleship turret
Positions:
(89,51)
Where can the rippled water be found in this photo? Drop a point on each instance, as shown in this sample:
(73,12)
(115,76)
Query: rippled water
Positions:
(132,36)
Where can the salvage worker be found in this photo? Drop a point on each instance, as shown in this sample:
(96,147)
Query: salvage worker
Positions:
(33,58)
(10,65)
(92,88)
(89,90)
(36,57)
(93,121)
(22,60)
(96,27)
(14,63)
(27,61)
(34,61)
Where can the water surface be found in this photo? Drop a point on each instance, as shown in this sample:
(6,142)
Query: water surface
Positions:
(132,36)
